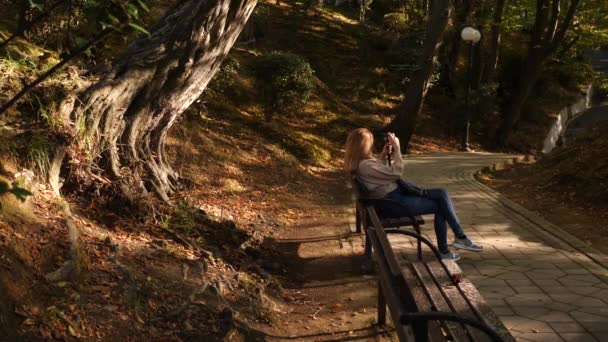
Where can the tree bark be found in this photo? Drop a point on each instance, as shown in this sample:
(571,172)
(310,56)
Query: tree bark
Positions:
(495,36)
(24,9)
(547,35)
(405,121)
(464,9)
(121,121)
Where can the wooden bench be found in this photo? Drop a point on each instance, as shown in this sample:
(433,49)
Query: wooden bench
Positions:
(362,220)
(427,299)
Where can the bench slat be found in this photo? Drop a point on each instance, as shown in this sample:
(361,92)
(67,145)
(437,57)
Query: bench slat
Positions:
(401,222)
(395,304)
(384,243)
(435,332)
(481,306)
(455,299)
(456,330)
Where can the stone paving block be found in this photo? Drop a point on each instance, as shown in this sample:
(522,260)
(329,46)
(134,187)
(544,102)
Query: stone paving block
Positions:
(563,307)
(492,302)
(494,262)
(556,290)
(503,310)
(512,275)
(544,283)
(527,289)
(517,268)
(537,274)
(602,285)
(496,291)
(541,265)
(578,337)
(571,265)
(575,270)
(596,310)
(590,302)
(491,282)
(567,297)
(568,327)
(540,337)
(530,311)
(573,282)
(528,299)
(524,325)
(555,317)
(601,337)
(588,278)
(584,290)
(584,317)
(520,282)
(488,269)
(596,327)
(476,278)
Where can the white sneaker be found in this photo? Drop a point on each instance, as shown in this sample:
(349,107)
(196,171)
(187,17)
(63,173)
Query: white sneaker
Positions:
(449,255)
(466,244)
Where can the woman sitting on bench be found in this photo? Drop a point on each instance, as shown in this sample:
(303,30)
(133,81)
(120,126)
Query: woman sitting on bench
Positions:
(383,180)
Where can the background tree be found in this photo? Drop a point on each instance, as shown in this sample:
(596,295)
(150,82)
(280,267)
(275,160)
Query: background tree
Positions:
(494,42)
(405,121)
(550,28)
(453,47)
(24,13)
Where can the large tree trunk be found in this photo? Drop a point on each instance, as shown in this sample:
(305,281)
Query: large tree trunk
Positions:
(24,9)
(530,74)
(123,119)
(405,121)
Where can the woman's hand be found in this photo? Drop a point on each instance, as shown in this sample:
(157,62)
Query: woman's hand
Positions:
(387,150)
(394,142)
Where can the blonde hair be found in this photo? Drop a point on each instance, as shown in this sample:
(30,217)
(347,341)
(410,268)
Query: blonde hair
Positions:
(358,147)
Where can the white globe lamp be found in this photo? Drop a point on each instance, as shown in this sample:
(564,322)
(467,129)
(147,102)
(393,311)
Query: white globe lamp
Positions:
(470,35)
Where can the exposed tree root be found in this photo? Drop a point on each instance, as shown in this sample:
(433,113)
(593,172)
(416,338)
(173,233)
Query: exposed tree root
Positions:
(75,268)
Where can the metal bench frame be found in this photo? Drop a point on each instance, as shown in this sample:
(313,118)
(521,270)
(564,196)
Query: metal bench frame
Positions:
(395,292)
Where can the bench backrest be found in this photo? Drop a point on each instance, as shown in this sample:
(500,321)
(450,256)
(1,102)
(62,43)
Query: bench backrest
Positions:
(359,188)
(385,244)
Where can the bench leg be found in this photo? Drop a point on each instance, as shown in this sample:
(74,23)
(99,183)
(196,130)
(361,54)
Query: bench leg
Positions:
(381,306)
(368,247)
(421,331)
(357,220)
(419,243)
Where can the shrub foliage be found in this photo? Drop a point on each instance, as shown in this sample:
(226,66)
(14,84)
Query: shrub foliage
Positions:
(286,80)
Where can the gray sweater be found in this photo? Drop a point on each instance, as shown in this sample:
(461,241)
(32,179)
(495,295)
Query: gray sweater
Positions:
(380,178)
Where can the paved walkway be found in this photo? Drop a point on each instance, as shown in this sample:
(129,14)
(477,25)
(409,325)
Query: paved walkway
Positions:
(543,283)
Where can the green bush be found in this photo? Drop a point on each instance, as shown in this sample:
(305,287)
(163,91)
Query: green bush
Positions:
(225,78)
(395,22)
(600,83)
(286,80)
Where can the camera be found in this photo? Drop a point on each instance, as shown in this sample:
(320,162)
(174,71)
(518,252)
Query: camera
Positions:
(380,140)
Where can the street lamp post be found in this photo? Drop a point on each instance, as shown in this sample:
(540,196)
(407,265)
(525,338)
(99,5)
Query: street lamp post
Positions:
(472,37)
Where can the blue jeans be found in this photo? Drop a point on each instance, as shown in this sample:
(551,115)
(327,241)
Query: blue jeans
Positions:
(436,201)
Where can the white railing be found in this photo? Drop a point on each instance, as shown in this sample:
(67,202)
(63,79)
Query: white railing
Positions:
(564,116)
